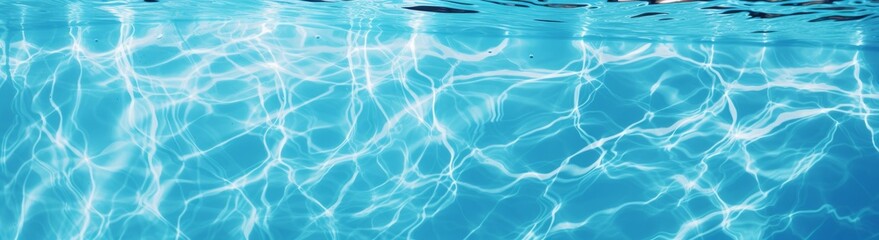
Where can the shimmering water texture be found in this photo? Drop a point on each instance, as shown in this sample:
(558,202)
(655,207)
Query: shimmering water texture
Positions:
(231,130)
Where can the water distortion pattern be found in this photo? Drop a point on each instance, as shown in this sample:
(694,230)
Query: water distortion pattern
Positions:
(216,130)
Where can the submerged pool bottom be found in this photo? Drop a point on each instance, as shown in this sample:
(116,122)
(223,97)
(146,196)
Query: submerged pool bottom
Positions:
(214,130)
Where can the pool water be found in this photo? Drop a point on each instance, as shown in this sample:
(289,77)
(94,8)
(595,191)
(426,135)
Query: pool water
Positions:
(465,119)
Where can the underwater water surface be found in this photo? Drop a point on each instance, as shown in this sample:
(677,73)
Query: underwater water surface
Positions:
(439,120)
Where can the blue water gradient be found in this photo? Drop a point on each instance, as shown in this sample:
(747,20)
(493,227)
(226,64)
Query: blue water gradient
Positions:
(274,130)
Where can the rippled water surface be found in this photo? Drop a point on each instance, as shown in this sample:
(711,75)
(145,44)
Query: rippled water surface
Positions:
(457,119)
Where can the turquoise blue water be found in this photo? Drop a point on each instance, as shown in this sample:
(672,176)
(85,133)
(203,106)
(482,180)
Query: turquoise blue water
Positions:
(459,119)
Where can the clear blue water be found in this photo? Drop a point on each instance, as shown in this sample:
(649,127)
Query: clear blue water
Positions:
(459,119)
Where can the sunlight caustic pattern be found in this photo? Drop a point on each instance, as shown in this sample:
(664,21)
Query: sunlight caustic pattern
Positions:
(214,130)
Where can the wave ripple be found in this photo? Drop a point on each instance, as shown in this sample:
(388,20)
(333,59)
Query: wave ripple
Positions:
(219,129)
